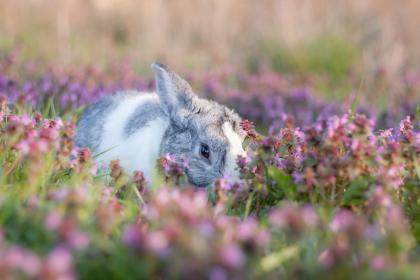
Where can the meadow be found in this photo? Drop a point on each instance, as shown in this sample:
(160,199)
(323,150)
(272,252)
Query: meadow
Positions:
(330,186)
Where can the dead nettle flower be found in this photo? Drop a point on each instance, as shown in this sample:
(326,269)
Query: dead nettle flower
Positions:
(288,120)
(379,198)
(406,130)
(249,231)
(33,202)
(289,149)
(79,159)
(179,223)
(409,139)
(58,264)
(305,179)
(16,260)
(249,128)
(139,180)
(332,152)
(352,232)
(78,240)
(68,232)
(333,255)
(66,141)
(221,191)
(242,162)
(227,190)
(217,273)
(158,241)
(83,155)
(188,203)
(172,168)
(227,184)
(132,236)
(116,170)
(379,262)
(262,96)
(350,229)
(108,211)
(66,228)
(232,256)
(250,164)
(395,222)
(49,133)
(34,138)
(393,167)
(53,220)
(68,195)
(271,143)
(13,126)
(38,117)
(295,218)
(361,125)
(4,109)
(32,147)
(392,175)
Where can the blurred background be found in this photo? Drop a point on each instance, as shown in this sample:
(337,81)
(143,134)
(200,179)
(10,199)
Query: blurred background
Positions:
(334,46)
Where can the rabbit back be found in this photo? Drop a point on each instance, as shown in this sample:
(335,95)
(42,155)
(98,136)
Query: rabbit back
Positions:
(128,126)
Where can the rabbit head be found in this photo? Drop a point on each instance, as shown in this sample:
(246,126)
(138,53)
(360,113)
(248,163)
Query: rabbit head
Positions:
(203,132)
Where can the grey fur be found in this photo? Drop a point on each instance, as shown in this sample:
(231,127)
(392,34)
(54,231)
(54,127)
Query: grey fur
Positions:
(192,122)
(143,115)
(90,125)
(174,92)
(203,125)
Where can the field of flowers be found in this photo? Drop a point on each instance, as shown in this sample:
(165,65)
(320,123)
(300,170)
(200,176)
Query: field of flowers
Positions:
(330,190)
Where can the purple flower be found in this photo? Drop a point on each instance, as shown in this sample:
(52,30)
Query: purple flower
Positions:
(78,240)
(232,256)
(132,236)
(342,220)
(218,273)
(378,263)
(59,264)
(157,242)
(53,221)
(247,229)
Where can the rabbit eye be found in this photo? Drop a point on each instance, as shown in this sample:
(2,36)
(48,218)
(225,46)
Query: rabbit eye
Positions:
(205,151)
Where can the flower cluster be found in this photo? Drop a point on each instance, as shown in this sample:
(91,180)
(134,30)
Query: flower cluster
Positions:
(16,262)
(344,242)
(323,194)
(262,97)
(173,169)
(337,159)
(350,233)
(182,225)
(40,144)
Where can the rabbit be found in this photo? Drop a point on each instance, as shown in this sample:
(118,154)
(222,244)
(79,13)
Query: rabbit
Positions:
(137,128)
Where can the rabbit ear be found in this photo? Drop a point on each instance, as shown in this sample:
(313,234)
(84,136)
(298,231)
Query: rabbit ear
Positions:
(174,92)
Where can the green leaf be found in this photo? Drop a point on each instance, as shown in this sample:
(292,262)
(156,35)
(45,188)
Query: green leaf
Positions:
(284,183)
(274,260)
(355,193)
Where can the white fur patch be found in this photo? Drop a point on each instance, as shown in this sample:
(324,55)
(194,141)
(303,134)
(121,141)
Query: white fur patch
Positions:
(235,149)
(141,149)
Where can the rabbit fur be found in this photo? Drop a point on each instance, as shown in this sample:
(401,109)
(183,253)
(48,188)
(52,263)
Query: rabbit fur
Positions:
(137,128)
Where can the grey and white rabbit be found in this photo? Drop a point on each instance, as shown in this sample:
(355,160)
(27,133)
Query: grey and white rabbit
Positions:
(137,128)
